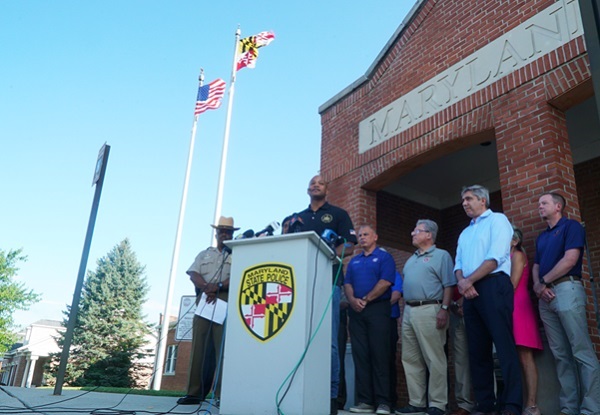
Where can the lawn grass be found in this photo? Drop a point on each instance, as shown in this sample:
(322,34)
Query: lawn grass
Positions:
(127,391)
(130,391)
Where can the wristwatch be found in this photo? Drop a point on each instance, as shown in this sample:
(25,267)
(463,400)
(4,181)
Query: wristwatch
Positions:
(444,307)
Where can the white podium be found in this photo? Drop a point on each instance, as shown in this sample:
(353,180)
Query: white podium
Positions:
(279,295)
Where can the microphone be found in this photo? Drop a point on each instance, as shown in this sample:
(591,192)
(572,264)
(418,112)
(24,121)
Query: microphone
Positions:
(296,224)
(331,238)
(271,227)
(246,235)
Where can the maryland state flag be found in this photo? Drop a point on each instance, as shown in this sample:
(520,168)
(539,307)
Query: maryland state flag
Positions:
(266,299)
(247,51)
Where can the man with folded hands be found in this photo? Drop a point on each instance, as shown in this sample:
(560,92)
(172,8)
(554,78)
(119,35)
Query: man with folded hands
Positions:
(368,283)
(482,272)
(428,284)
(557,283)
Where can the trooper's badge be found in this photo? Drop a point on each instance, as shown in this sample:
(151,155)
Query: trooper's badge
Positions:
(266,298)
(326,218)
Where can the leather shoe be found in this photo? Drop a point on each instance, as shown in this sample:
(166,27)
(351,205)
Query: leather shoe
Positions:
(334,407)
(460,411)
(189,400)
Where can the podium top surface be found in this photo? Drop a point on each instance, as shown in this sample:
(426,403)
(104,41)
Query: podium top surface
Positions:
(310,235)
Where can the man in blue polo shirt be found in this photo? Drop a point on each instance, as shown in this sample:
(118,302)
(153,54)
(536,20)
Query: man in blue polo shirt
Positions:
(557,283)
(368,282)
(483,273)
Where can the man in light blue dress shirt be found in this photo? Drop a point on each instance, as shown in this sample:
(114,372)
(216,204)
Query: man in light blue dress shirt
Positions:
(483,273)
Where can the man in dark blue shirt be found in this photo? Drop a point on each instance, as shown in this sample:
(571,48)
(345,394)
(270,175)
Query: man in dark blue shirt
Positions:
(557,283)
(318,217)
(368,282)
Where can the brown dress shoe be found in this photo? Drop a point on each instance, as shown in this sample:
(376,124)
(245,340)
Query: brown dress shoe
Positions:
(460,411)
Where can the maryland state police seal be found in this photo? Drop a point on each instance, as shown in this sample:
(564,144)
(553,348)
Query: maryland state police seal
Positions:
(266,298)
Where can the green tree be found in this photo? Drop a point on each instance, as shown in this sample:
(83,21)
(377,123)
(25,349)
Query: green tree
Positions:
(13,296)
(109,330)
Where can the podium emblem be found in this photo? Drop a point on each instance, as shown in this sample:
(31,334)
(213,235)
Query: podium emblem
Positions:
(266,298)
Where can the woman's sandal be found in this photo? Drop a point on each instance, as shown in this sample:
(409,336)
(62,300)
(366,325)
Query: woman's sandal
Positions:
(532,410)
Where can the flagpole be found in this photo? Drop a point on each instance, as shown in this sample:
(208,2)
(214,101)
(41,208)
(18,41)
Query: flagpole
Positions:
(164,331)
(219,201)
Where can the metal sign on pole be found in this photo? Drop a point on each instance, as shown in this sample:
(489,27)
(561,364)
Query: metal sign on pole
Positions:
(98,180)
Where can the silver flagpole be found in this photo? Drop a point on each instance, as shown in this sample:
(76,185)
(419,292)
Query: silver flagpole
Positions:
(219,201)
(164,331)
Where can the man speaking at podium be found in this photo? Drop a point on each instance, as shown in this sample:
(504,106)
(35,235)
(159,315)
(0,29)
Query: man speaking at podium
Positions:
(318,217)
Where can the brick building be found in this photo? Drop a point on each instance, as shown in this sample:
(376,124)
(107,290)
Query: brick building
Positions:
(488,92)
(177,359)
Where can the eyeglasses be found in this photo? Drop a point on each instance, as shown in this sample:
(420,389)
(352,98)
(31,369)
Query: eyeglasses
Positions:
(418,231)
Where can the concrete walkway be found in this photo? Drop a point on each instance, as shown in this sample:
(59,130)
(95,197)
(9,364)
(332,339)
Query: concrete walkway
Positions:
(14,400)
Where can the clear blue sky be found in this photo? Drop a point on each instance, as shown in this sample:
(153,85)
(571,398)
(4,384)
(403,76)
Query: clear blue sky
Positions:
(77,74)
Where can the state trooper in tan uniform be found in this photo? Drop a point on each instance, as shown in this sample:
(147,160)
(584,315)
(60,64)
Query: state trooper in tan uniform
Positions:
(210,275)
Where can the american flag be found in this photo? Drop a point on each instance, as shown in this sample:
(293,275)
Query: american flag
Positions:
(248,49)
(209,96)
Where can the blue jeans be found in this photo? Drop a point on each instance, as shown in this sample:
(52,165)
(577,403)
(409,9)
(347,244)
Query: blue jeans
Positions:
(335,325)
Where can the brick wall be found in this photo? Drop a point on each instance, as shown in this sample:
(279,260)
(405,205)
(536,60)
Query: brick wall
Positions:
(178,381)
(397,218)
(432,42)
(523,112)
(22,364)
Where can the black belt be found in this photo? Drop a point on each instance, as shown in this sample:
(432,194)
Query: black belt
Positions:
(566,278)
(495,274)
(417,303)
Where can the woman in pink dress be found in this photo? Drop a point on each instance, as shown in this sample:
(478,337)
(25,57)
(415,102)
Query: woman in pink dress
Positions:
(525,326)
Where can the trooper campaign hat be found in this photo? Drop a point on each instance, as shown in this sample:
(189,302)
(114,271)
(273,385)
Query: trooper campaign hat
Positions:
(225,223)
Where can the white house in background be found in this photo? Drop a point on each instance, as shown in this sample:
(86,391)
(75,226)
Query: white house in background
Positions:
(23,365)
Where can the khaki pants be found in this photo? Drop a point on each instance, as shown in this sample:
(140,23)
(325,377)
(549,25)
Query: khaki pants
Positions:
(422,350)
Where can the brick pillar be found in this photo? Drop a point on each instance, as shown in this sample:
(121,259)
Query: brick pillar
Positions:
(534,156)
(347,193)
